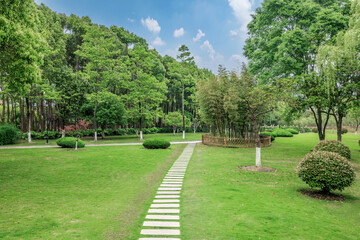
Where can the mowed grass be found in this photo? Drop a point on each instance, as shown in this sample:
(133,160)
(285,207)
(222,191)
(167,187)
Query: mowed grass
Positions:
(95,193)
(119,139)
(220,201)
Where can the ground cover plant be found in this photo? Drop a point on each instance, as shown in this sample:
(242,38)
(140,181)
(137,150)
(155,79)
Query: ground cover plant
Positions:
(222,202)
(97,193)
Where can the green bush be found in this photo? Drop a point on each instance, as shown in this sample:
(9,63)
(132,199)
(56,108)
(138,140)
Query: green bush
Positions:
(292,131)
(344,130)
(269,134)
(282,133)
(156,144)
(314,130)
(9,134)
(326,170)
(69,142)
(306,129)
(333,146)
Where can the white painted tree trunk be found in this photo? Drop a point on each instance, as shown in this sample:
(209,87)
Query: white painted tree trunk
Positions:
(76,144)
(141,136)
(29,136)
(258,157)
(63,133)
(137,133)
(174,132)
(95,136)
(183,134)
(355,132)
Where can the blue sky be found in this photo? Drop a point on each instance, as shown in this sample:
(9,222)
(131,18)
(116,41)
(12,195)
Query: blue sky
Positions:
(214,30)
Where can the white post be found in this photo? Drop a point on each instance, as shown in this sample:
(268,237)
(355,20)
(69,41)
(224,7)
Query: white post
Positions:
(183,134)
(141,136)
(258,157)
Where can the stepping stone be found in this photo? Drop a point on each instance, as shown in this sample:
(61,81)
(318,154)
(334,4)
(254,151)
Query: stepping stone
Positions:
(170,185)
(159,238)
(160,232)
(173,180)
(168,192)
(164,210)
(173,177)
(163,217)
(167,196)
(167,189)
(165,205)
(166,201)
(160,224)
(170,182)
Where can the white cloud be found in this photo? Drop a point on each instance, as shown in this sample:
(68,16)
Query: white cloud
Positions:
(209,48)
(199,35)
(233,33)
(131,20)
(158,42)
(179,32)
(151,24)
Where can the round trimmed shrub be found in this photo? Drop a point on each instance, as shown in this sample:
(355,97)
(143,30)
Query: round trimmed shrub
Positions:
(268,134)
(334,146)
(9,134)
(292,131)
(282,133)
(156,144)
(344,130)
(314,130)
(326,170)
(69,142)
(306,129)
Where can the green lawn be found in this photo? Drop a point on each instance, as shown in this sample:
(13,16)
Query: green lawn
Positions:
(95,193)
(121,139)
(222,202)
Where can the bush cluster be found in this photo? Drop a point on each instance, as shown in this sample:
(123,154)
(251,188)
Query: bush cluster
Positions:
(306,129)
(314,130)
(156,144)
(282,133)
(41,135)
(69,142)
(269,134)
(344,130)
(326,170)
(9,134)
(292,131)
(334,146)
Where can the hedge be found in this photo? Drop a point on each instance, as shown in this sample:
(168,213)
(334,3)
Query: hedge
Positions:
(69,142)
(156,144)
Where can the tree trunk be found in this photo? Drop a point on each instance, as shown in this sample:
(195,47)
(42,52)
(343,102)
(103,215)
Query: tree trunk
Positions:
(183,107)
(8,109)
(102,133)
(3,109)
(140,122)
(338,120)
(42,115)
(12,110)
(22,115)
(95,123)
(174,129)
(257,142)
(319,122)
(28,118)
(357,127)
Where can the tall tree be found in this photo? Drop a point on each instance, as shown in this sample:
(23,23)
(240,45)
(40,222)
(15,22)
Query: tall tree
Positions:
(187,61)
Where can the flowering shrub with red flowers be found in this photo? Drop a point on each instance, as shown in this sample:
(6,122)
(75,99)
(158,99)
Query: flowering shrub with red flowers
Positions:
(334,146)
(326,170)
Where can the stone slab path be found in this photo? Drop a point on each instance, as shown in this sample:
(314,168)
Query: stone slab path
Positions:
(162,221)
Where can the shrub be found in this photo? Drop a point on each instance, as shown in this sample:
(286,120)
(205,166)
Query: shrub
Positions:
(69,142)
(292,131)
(333,146)
(131,131)
(9,134)
(282,133)
(314,130)
(156,144)
(344,130)
(306,129)
(326,170)
(269,134)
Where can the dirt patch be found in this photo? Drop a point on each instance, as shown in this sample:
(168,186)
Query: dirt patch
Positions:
(257,169)
(318,194)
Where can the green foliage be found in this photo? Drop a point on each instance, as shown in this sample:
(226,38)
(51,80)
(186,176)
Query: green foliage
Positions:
(282,133)
(9,134)
(156,144)
(344,130)
(69,142)
(292,131)
(314,130)
(173,119)
(334,146)
(326,170)
(272,135)
(307,130)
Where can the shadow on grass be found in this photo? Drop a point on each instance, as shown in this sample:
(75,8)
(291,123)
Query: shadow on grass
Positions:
(321,195)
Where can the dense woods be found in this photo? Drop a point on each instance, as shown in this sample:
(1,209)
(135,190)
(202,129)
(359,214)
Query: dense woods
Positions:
(65,68)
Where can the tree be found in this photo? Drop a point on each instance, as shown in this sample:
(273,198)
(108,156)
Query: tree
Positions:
(110,110)
(174,119)
(354,114)
(186,62)
(101,48)
(284,37)
(339,65)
